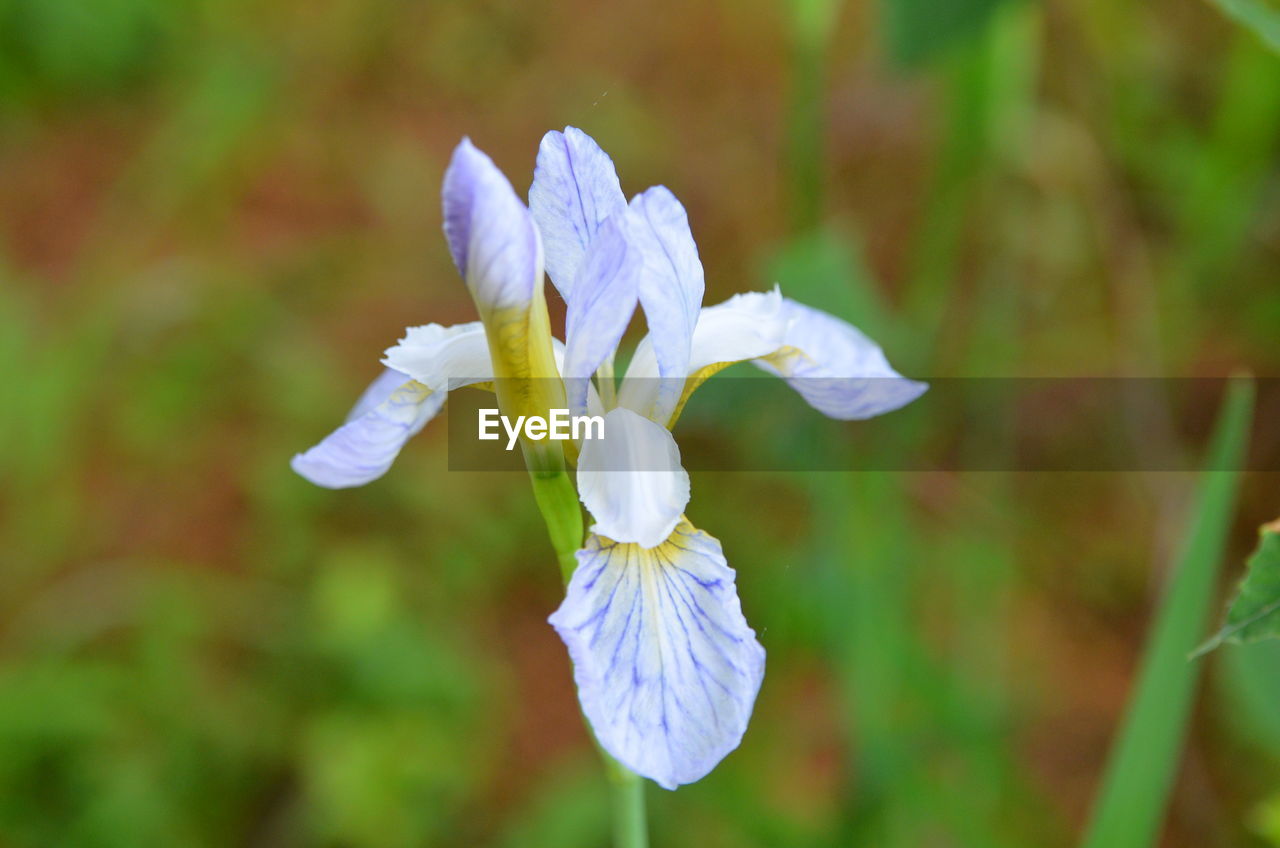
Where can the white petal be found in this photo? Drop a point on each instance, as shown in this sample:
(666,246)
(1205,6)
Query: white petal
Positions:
(362,449)
(443,357)
(746,326)
(667,668)
(631,481)
(575,189)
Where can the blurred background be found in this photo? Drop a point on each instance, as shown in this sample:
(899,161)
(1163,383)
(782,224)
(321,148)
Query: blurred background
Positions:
(214,216)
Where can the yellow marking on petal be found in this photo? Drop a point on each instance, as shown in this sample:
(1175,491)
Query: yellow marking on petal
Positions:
(786,358)
(411,392)
(571,452)
(526,379)
(783,359)
(695,379)
(666,550)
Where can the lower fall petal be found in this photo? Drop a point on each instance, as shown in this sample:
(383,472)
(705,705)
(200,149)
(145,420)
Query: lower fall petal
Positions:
(666,666)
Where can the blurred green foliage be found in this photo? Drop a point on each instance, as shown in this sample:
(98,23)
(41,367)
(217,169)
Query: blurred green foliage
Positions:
(917,31)
(64,49)
(214,217)
(1132,800)
(1261,16)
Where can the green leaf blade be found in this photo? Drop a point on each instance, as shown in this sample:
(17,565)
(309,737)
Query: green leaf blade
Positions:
(1259,16)
(1255,612)
(1141,767)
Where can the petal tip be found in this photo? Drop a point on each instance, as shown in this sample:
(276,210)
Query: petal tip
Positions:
(491,236)
(322,474)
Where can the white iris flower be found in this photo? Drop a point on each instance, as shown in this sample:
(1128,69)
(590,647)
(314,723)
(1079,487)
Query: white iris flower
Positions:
(666,665)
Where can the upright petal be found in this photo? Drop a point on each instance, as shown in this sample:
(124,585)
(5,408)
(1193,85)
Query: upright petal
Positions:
(575,190)
(594,405)
(600,306)
(443,357)
(671,287)
(363,448)
(490,232)
(499,252)
(666,666)
(631,481)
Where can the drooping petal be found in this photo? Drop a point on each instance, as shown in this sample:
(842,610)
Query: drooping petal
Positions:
(490,232)
(671,287)
(667,668)
(443,357)
(631,481)
(575,189)
(831,364)
(362,449)
(600,306)
(421,369)
(836,368)
(379,390)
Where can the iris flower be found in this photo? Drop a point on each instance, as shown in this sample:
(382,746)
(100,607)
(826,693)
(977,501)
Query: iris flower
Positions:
(666,666)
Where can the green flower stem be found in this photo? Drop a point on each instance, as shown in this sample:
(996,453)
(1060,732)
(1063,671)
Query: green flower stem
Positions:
(558,501)
(629,827)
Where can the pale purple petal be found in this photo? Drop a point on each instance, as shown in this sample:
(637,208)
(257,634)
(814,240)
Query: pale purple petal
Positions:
(631,481)
(594,404)
(667,667)
(362,449)
(379,390)
(491,235)
(671,287)
(575,189)
(421,369)
(836,368)
(600,306)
